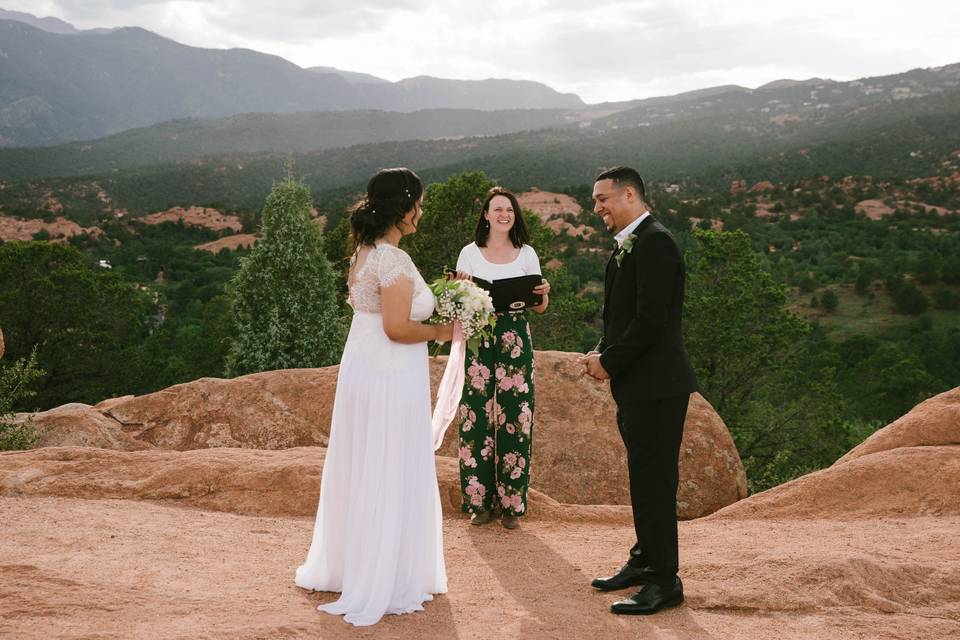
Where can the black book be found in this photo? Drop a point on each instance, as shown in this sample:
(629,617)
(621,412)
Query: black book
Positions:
(512,294)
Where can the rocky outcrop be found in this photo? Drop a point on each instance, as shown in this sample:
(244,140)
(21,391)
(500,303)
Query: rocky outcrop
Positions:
(551,208)
(195,217)
(910,482)
(578,455)
(933,422)
(231,243)
(12,228)
(910,468)
(243,481)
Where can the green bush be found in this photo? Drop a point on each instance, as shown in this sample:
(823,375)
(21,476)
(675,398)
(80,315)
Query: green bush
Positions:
(15,381)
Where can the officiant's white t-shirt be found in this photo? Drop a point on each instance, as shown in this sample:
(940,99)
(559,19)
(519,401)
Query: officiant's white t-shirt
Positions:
(472,261)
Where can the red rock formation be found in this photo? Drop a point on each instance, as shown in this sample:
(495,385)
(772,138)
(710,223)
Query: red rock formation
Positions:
(888,484)
(19,229)
(197,217)
(888,475)
(231,243)
(933,422)
(579,456)
(762,186)
(550,208)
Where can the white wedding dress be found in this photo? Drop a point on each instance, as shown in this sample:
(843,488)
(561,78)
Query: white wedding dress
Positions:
(378,538)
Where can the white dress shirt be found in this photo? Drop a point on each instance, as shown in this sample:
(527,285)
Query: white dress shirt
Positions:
(626,231)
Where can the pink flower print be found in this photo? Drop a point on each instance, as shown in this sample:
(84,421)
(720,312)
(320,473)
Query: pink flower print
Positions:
(509,337)
(518,380)
(501,490)
(487,448)
(515,473)
(485,372)
(501,372)
(467,426)
(521,462)
(472,416)
(477,383)
(511,429)
(468,460)
(473,370)
(524,388)
(501,418)
(525,418)
(510,458)
(517,503)
(463,410)
(506,383)
(516,351)
(476,491)
(506,501)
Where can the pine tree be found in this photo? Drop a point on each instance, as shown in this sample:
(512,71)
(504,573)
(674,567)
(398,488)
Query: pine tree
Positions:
(284,308)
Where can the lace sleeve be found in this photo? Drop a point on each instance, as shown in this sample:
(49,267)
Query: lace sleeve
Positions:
(394,264)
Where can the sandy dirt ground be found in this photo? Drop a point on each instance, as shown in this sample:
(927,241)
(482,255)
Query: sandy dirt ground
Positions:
(98,569)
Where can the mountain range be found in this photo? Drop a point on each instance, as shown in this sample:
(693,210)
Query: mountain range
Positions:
(58,84)
(712,129)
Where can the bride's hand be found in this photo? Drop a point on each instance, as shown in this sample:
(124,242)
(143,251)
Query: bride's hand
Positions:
(444,332)
(458,275)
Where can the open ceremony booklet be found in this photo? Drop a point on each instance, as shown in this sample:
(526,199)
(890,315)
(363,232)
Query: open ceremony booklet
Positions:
(512,294)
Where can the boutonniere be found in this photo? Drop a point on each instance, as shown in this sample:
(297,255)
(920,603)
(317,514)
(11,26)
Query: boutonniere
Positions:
(625,249)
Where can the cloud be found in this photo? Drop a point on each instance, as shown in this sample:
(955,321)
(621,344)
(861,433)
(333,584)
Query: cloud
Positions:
(602,50)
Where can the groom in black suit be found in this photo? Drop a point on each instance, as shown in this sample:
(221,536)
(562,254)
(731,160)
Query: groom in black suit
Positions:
(651,380)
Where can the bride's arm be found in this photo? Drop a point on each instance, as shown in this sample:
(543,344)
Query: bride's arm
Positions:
(395,305)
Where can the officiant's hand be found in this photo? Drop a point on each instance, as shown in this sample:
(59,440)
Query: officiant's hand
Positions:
(543,288)
(592,367)
(458,275)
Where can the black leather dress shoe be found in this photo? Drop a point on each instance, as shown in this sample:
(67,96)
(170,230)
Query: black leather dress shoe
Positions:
(629,576)
(650,599)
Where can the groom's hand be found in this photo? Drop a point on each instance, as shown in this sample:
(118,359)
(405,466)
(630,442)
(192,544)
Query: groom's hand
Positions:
(592,367)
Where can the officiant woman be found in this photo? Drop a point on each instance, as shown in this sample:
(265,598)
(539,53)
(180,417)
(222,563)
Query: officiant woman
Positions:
(496,409)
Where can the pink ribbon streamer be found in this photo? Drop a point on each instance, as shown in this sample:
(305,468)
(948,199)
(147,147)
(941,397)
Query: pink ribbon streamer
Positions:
(451,386)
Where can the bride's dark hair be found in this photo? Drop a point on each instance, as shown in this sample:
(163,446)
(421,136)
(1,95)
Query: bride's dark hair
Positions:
(391,193)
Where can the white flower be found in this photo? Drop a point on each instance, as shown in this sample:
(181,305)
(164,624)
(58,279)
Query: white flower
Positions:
(467,303)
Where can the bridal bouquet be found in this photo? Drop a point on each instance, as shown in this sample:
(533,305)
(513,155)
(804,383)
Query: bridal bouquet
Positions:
(464,302)
(470,308)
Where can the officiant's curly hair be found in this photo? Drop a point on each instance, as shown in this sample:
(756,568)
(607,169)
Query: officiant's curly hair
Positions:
(391,194)
(519,234)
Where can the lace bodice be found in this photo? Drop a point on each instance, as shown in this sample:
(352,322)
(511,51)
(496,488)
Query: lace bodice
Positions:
(383,266)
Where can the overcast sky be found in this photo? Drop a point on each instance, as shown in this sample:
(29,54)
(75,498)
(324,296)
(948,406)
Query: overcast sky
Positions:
(600,49)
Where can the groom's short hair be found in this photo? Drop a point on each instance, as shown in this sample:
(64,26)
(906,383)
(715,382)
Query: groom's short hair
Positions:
(623,176)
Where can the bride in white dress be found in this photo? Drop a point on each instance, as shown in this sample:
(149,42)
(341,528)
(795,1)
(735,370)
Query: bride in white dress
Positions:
(378,538)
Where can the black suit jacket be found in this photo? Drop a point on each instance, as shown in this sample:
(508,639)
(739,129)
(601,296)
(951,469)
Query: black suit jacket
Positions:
(642,344)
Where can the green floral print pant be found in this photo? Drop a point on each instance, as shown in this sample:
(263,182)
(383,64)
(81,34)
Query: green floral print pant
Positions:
(496,420)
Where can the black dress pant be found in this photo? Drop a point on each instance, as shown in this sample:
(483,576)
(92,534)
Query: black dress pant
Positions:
(652,432)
